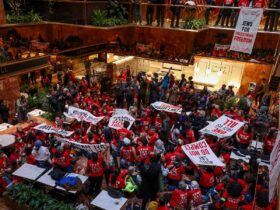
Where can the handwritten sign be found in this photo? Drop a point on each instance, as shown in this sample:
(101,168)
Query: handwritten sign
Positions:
(246,29)
(50,129)
(161,106)
(117,121)
(222,127)
(201,154)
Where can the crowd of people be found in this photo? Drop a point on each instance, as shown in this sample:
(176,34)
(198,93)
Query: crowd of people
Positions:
(146,162)
(227,16)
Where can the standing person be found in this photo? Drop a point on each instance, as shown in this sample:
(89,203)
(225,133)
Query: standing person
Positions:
(4,112)
(141,91)
(219,15)
(95,168)
(226,13)
(120,94)
(136,7)
(175,13)
(21,108)
(182,81)
(150,180)
(41,155)
(164,86)
(150,13)
(50,72)
(130,88)
(160,12)
(261,91)
(208,10)
(271,16)
(154,86)
(33,77)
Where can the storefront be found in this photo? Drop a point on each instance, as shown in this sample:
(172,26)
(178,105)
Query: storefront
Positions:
(206,71)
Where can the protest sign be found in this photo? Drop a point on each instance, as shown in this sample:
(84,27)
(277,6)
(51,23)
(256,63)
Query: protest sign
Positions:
(246,29)
(50,129)
(161,106)
(201,154)
(274,169)
(117,121)
(82,115)
(87,147)
(222,127)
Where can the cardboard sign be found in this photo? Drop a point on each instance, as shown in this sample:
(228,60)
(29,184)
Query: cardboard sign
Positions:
(117,121)
(161,106)
(246,29)
(201,154)
(274,169)
(82,115)
(222,127)
(87,147)
(50,129)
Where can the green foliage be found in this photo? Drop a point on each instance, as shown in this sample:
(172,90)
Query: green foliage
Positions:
(40,101)
(29,17)
(116,10)
(100,18)
(194,24)
(35,199)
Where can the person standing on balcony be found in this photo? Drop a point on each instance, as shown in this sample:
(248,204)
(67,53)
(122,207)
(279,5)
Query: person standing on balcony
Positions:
(226,12)
(160,13)
(150,12)
(136,9)
(175,13)
(272,16)
(234,17)
(219,15)
(208,10)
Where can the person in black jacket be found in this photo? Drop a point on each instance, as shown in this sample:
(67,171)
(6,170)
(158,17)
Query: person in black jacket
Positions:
(150,180)
(150,13)
(160,13)
(4,112)
(175,13)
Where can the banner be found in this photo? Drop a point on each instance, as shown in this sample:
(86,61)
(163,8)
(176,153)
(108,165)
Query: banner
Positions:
(274,169)
(161,106)
(117,121)
(50,129)
(82,115)
(246,29)
(87,147)
(222,127)
(201,154)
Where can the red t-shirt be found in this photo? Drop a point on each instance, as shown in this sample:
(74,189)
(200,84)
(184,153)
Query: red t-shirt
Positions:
(268,144)
(258,3)
(119,184)
(195,197)
(231,203)
(243,3)
(95,168)
(124,133)
(63,161)
(143,151)
(244,137)
(179,197)
(127,153)
(31,159)
(170,157)
(175,173)
(206,179)
(163,208)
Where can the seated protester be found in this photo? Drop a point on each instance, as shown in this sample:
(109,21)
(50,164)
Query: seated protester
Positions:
(232,198)
(176,170)
(30,159)
(216,112)
(244,136)
(171,155)
(195,195)
(41,154)
(5,165)
(124,132)
(78,136)
(19,144)
(240,116)
(88,138)
(127,153)
(116,181)
(179,197)
(143,152)
(95,168)
(15,158)
(189,137)
(206,179)
(269,141)
(231,113)
(62,160)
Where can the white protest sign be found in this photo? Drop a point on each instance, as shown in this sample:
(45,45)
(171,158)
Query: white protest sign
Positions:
(87,147)
(117,121)
(50,129)
(120,111)
(82,115)
(161,106)
(246,29)
(222,127)
(201,154)
(274,169)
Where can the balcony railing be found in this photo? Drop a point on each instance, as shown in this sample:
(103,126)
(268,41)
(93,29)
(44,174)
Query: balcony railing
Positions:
(180,16)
